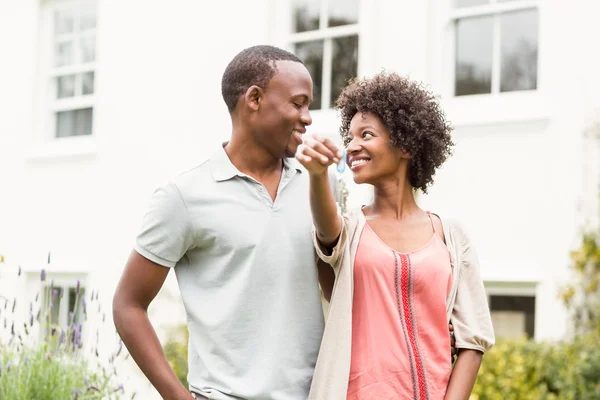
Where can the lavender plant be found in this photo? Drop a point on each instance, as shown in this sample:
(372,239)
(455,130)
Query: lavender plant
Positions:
(40,359)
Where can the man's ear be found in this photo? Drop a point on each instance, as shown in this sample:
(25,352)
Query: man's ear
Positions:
(253,97)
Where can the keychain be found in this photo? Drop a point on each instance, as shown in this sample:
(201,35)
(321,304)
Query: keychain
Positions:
(341,165)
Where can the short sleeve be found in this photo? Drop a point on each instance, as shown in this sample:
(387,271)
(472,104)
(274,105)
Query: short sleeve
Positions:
(167,231)
(471,314)
(332,259)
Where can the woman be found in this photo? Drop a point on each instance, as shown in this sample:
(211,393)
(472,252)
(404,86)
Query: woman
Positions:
(401,273)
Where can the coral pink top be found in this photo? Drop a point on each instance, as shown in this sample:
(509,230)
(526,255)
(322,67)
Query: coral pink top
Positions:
(400,338)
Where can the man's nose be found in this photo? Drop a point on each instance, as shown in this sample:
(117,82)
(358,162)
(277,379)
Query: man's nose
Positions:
(305,118)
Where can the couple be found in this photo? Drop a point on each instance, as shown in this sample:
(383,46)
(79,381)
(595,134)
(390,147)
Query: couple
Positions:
(249,258)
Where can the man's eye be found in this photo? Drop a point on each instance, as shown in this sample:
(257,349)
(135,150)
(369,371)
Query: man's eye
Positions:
(298,105)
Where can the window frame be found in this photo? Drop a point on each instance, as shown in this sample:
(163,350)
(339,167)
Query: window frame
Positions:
(516,289)
(327,34)
(50,104)
(494,9)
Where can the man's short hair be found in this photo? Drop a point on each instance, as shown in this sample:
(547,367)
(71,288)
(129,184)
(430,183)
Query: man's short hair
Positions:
(252,66)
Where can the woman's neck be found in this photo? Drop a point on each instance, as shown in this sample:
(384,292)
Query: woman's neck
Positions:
(394,199)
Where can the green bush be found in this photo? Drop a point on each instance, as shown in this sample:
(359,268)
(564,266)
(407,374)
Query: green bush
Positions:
(176,351)
(41,360)
(528,370)
(42,374)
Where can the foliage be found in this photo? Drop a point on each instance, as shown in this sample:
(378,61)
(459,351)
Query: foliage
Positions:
(528,370)
(582,296)
(39,359)
(176,351)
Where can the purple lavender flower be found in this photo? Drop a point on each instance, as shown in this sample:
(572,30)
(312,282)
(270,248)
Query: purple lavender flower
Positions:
(12,329)
(118,388)
(70,316)
(83,304)
(86,381)
(75,394)
(61,337)
(30,319)
(78,287)
(43,273)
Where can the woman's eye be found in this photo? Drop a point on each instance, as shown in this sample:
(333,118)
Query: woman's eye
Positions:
(364,135)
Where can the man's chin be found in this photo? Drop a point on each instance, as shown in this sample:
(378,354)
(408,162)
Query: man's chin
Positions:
(290,150)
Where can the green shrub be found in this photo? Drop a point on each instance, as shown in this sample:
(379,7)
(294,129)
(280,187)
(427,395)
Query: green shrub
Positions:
(46,375)
(40,360)
(528,370)
(176,351)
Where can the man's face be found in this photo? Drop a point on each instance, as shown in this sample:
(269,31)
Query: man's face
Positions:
(283,113)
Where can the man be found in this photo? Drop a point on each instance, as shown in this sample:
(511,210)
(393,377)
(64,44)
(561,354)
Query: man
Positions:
(237,231)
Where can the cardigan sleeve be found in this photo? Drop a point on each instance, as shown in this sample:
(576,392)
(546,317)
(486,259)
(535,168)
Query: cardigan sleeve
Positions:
(334,256)
(471,314)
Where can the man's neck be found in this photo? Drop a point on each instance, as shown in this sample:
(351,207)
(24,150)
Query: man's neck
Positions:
(252,159)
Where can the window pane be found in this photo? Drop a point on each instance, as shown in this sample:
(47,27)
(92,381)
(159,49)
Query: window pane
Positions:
(513,316)
(306,15)
(469,3)
(74,122)
(87,18)
(88,48)
(63,22)
(519,48)
(63,54)
(77,314)
(474,55)
(87,83)
(343,12)
(345,64)
(312,55)
(54,297)
(65,86)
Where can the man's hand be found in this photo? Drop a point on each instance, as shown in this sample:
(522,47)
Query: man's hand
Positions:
(453,350)
(316,154)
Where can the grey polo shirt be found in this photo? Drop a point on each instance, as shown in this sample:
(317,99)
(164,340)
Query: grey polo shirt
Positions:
(245,266)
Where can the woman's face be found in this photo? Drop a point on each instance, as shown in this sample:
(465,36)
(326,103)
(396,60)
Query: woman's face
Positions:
(371,157)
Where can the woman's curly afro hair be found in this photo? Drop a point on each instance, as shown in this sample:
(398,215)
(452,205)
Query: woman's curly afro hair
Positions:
(412,115)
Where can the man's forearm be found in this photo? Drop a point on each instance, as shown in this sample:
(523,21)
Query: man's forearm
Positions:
(324,210)
(464,375)
(139,337)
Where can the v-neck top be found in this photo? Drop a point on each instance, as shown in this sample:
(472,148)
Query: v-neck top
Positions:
(400,340)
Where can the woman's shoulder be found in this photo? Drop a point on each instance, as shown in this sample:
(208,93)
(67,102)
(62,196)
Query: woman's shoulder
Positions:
(453,228)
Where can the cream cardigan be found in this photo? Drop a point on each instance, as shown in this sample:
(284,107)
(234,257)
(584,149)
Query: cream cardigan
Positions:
(466,305)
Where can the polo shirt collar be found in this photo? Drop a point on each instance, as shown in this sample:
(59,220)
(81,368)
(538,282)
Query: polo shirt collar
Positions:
(223,169)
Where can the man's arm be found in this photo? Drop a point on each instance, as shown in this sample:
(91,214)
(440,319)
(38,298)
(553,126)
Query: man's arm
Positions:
(139,284)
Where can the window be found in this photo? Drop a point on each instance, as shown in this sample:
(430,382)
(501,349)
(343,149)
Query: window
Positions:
(65,305)
(512,315)
(325,37)
(496,46)
(72,67)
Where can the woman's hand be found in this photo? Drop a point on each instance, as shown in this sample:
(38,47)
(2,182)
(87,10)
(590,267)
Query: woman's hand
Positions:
(316,154)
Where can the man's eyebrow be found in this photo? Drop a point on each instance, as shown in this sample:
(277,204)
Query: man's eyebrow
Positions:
(304,98)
